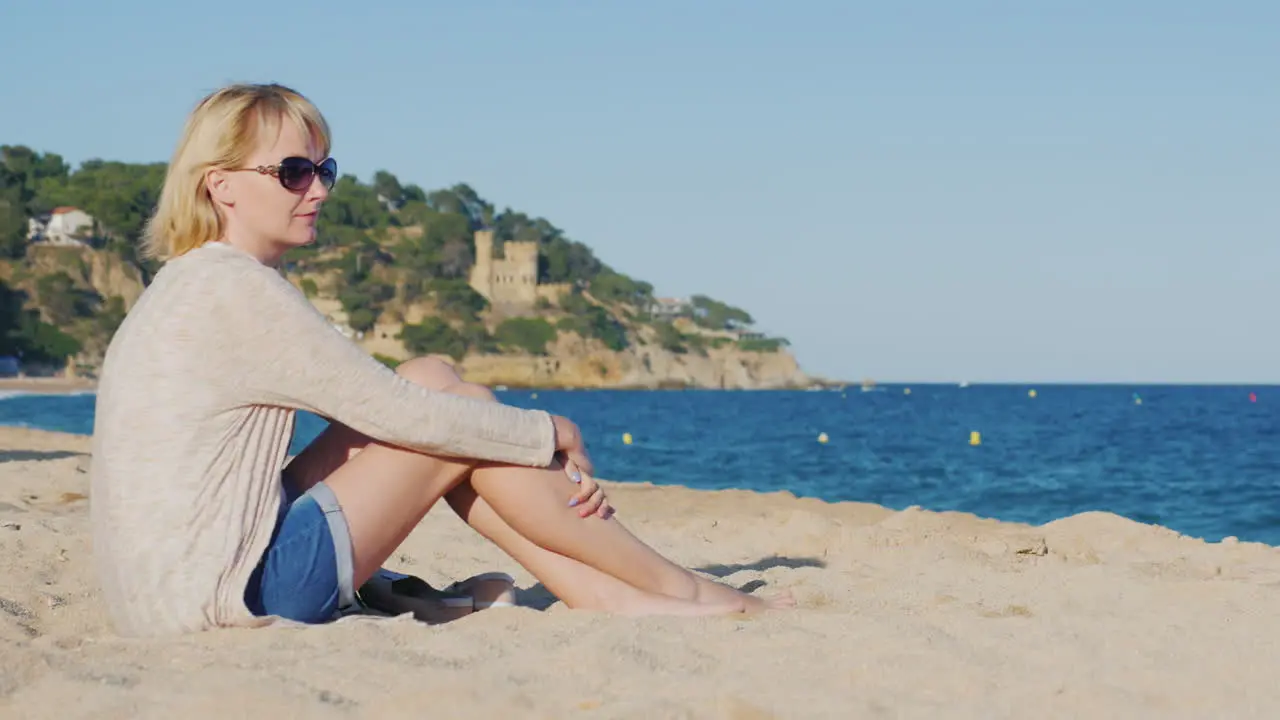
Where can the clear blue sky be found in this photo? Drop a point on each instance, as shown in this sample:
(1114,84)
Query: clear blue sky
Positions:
(1049,190)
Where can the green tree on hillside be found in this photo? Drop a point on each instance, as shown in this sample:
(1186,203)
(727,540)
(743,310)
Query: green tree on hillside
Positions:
(529,334)
(716,315)
(63,300)
(388,186)
(13,224)
(120,196)
(455,298)
(350,211)
(563,260)
(592,321)
(444,249)
(110,315)
(614,287)
(23,334)
(27,173)
(461,199)
(670,339)
(433,336)
(23,174)
(413,193)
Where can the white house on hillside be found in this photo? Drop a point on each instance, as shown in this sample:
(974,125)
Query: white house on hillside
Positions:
(667,308)
(64,226)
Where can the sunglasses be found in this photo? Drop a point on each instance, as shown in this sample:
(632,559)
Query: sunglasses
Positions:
(297,173)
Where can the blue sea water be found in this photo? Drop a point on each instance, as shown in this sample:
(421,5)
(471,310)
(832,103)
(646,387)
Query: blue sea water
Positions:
(1204,461)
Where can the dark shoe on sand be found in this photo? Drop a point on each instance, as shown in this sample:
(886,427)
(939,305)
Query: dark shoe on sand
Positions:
(393,593)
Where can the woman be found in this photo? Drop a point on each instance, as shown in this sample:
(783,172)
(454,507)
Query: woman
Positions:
(198,523)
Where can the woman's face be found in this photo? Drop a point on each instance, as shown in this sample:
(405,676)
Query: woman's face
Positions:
(262,214)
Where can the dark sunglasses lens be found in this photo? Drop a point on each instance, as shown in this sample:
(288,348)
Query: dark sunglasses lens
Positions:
(328,172)
(296,173)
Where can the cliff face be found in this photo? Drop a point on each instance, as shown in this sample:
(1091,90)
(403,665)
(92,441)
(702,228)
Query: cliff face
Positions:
(113,277)
(573,362)
(81,291)
(106,273)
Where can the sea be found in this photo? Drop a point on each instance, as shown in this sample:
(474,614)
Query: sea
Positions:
(1204,461)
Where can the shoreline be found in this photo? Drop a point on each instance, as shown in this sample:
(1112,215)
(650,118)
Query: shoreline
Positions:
(13,437)
(48,385)
(18,437)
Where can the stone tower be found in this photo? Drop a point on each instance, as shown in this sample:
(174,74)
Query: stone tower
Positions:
(482,272)
(510,281)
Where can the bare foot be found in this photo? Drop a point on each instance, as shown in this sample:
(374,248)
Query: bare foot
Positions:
(651,604)
(715,593)
(781,600)
(720,600)
(775,601)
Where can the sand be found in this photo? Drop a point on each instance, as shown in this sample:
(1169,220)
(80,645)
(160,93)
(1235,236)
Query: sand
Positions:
(909,614)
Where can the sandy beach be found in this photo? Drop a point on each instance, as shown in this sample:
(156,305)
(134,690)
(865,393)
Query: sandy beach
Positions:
(908,614)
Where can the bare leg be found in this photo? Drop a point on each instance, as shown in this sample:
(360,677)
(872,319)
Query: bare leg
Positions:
(336,445)
(577,585)
(583,585)
(533,497)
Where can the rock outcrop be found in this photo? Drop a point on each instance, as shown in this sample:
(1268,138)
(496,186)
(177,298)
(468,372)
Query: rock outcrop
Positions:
(573,362)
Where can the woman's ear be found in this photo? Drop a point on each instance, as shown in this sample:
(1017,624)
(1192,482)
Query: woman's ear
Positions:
(218,183)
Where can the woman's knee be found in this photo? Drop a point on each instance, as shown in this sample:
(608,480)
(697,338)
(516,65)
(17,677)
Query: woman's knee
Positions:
(429,372)
(435,374)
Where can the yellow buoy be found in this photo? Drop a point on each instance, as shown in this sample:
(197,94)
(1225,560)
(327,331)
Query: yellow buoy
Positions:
(906,391)
(626,438)
(975,438)
(534,396)
(822,437)
(1031,393)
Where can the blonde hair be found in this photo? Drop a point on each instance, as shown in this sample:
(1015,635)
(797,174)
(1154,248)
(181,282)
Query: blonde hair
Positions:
(221,133)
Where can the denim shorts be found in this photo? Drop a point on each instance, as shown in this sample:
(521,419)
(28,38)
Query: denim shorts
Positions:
(305,575)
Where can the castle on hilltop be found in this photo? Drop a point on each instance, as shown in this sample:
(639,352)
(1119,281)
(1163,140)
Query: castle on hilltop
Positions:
(511,282)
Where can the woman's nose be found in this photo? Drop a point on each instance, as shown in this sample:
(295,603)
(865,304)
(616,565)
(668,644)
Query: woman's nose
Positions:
(318,190)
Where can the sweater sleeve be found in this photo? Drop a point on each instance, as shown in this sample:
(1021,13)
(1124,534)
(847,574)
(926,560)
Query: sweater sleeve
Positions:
(289,355)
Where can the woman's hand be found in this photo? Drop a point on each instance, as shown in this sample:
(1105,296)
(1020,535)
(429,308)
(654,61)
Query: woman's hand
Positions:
(569,444)
(591,499)
(577,465)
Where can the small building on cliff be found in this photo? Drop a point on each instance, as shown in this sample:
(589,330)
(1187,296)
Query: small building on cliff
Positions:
(510,282)
(63,226)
